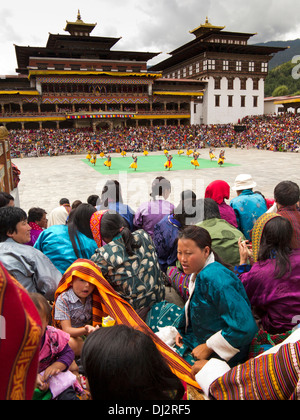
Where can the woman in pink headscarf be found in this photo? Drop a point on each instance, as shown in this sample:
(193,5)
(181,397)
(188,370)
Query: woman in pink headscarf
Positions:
(219,191)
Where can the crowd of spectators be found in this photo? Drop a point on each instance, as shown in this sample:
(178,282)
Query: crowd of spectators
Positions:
(274,133)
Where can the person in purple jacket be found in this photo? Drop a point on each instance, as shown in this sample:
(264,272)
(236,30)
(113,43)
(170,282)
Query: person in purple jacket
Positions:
(151,212)
(272,283)
(37,220)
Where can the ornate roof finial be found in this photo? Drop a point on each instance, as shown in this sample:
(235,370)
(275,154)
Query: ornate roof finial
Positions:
(78,15)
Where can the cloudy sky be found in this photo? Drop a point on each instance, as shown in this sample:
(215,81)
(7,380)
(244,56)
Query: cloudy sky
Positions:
(144,25)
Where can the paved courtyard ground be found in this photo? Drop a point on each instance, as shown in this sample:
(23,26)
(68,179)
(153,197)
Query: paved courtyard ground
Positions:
(45,180)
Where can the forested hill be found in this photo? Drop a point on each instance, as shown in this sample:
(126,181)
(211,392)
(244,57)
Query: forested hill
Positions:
(283,80)
(280,80)
(292,49)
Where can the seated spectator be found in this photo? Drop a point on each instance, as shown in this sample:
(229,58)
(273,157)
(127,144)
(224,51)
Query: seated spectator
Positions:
(217,317)
(111,199)
(224,236)
(107,302)
(219,191)
(274,375)
(248,206)
(6,200)
(63,244)
(37,220)
(65,202)
(272,282)
(26,264)
(93,200)
(55,357)
(128,261)
(122,363)
(75,204)
(151,212)
(165,232)
(73,306)
(58,216)
(286,195)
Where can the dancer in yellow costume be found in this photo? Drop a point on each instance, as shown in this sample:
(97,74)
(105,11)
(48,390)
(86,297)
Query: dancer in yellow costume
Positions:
(221,158)
(108,162)
(166,152)
(189,152)
(102,155)
(94,159)
(168,163)
(123,153)
(180,152)
(134,163)
(145,152)
(195,160)
(211,154)
(88,156)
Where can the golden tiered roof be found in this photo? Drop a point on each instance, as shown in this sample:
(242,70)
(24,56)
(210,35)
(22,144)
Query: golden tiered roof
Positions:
(79,25)
(206,28)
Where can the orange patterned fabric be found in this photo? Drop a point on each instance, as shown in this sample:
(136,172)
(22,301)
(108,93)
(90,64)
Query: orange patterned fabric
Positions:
(95,224)
(107,302)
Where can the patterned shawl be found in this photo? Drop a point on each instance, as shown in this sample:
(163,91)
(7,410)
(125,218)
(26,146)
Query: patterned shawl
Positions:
(107,302)
(20,333)
(258,231)
(268,377)
(95,224)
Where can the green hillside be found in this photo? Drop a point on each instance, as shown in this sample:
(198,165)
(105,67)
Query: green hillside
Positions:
(292,50)
(283,80)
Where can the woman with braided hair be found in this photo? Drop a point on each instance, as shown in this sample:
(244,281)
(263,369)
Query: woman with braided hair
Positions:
(272,282)
(127,260)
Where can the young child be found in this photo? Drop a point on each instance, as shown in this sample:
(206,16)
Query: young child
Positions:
(55,356)
(73,310)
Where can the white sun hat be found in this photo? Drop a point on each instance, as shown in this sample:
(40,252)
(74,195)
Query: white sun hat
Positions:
(243,182)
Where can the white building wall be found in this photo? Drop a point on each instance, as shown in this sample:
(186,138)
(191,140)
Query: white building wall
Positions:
(223,114)
(196,113)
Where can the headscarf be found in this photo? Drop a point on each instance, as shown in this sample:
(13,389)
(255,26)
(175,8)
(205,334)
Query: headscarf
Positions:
(58,216)
(218,191)
(257,232)
(20,334)
(95,225)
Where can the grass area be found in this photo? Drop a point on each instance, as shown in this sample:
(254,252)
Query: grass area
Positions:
(154,163)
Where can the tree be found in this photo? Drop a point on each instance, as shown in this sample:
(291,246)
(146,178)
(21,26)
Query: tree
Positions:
(282,90)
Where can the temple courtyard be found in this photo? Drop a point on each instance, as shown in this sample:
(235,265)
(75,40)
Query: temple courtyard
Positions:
(45,180)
